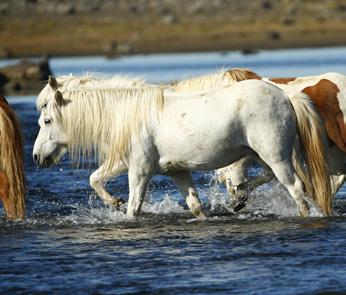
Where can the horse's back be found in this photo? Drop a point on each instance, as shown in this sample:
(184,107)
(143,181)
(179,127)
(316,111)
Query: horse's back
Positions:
(220,126)
(233,107)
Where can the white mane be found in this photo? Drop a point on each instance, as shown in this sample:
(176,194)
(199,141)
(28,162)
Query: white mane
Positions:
(216,80)
(102,121)
(90,81)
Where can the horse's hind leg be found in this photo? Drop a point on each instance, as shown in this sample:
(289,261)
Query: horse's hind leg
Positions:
(97,181)
(285,173)
(184,182)
(239,184)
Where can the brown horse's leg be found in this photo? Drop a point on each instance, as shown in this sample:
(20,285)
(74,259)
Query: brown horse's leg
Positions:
(4,195)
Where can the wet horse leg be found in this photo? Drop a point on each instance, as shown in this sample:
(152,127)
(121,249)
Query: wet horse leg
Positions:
(97,181)
(184,182)
(239,184)
(285,173)
(138,180)
(233,176)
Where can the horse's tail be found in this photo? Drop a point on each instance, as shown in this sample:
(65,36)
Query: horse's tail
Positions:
(12,161)
(312,137)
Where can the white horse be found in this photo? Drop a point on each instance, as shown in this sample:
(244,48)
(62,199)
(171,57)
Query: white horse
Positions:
(327,91)
(147,132)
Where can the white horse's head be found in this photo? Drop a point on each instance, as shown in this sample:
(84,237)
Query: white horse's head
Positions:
(83,121)
(51,141)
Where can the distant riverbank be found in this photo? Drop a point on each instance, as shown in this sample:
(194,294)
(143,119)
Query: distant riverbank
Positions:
(87,38)
(113,28)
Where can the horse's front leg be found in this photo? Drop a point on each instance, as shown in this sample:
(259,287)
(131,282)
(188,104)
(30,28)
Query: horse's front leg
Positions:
(98,180)
(184,182)
(138,180)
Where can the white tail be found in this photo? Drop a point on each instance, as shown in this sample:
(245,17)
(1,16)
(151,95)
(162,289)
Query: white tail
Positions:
(312,137)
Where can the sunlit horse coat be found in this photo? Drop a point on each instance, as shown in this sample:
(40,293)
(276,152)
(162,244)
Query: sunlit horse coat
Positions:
(148,131)
(327,91)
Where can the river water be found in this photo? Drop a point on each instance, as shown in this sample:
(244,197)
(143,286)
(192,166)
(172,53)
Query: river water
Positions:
(71,243)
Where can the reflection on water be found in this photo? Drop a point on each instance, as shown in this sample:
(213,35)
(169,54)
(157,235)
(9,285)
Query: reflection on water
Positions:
(71,243)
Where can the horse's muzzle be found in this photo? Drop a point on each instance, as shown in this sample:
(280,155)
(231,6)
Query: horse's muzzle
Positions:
(46,162)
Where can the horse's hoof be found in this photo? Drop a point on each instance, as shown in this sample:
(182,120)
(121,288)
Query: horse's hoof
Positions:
(239,204)
(121,201)
(117,203)
(201,216)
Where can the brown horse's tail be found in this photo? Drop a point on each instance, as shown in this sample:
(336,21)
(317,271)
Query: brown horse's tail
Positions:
(12,161)
(313,137)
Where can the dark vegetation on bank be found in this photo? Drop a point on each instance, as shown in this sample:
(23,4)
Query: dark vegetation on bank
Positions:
(26,77)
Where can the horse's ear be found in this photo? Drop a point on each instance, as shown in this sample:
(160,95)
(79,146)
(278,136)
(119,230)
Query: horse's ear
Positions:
(53,82)
(59,99)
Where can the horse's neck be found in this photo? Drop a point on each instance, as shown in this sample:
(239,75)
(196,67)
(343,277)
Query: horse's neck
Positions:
(102,83)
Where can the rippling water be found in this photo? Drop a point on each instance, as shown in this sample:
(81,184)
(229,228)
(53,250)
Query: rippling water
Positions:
(71,243)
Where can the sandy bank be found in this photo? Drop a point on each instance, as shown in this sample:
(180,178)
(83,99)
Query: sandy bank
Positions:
(36,28)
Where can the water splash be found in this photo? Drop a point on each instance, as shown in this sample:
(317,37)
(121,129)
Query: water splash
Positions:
(216,199)
(166,206)
(95,213)
(269,200)
(274,199)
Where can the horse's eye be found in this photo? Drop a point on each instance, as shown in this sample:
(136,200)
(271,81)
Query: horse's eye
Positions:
(47,121)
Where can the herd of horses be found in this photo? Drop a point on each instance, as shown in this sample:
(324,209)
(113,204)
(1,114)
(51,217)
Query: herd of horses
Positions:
(294,127)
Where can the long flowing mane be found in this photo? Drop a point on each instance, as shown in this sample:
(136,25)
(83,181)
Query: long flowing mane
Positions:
(216,80)
(91,81)
(12,160)
(102,121)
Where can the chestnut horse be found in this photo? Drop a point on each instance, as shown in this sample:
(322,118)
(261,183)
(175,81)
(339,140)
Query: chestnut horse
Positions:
(12,180)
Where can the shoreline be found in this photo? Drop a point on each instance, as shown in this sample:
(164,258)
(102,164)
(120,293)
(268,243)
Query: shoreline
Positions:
(20,38)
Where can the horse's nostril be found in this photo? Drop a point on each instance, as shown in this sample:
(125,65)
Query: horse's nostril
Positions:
(35,158)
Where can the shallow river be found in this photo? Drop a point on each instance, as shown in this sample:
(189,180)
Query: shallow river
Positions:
(70,243)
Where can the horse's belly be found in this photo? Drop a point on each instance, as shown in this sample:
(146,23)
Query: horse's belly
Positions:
(200,160)
(180,150)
